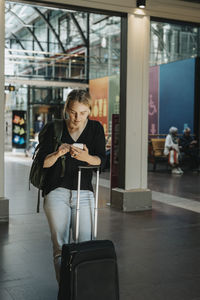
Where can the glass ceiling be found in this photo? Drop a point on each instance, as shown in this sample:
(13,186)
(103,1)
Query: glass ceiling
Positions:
(40,40)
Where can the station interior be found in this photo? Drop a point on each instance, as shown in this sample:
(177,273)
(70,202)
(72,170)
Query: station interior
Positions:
(51,50)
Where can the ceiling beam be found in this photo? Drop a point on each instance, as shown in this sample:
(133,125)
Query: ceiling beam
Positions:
(50,27)
(85,41)
(27,28)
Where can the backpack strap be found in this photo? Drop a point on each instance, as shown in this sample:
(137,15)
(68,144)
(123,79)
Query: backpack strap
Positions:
(58,131)
(38,201)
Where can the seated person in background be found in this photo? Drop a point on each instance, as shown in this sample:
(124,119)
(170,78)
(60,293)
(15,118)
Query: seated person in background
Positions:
(189,147)
(172,150)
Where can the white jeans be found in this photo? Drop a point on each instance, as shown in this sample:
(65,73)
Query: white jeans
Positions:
(60,209)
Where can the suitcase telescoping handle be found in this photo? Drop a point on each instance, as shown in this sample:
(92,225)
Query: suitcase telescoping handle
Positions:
(96,201)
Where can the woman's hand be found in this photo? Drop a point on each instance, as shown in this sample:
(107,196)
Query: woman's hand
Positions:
(79,154)
(63,149)
(83,155)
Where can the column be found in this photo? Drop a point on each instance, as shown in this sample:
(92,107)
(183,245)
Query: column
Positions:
(132,193)
(4,212)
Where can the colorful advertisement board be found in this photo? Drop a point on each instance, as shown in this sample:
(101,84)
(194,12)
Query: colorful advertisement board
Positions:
(99,95)
(19,129)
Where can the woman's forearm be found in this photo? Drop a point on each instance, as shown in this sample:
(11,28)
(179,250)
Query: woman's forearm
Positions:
(93,160)
(51,159)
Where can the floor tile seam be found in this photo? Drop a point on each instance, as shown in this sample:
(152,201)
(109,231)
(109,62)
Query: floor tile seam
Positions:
(180,202)
(173,196)
(158,228)
(18,160)
(43,213)
(26,214)
(7,290)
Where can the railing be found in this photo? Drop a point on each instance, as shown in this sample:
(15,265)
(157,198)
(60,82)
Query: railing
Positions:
(37,64)
(56,66)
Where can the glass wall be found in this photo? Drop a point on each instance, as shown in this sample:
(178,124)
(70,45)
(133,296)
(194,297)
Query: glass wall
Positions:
(49,51)
(104,45)
(171,42)
(173,77)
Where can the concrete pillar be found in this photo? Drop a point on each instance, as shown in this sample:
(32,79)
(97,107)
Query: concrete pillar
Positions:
(133,194)
(4,212)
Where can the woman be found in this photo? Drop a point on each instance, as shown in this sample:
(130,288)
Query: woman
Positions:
(172,150)
(60,193)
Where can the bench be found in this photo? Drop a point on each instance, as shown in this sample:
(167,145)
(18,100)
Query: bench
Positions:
(156,151)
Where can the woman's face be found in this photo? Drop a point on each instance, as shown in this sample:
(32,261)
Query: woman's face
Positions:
(78,113)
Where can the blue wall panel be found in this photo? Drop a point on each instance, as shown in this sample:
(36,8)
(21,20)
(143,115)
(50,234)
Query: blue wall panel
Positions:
(177,95)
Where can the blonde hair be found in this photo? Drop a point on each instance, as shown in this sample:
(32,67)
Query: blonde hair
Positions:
(79,95)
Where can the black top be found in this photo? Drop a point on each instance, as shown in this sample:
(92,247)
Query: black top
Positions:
(185,141)
(94,138)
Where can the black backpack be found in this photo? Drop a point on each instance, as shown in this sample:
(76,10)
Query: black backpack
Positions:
(37,172)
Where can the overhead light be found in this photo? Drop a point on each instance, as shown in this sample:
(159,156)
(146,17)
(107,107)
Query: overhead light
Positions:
(103,42)
(141,3)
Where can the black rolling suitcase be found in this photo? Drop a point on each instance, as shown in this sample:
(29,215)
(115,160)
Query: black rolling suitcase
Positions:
(88,269)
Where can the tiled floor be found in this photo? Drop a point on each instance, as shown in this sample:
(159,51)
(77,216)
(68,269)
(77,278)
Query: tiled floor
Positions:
(186,185)
(158,251)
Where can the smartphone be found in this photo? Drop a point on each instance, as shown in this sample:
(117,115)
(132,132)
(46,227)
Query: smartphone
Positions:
(78,145)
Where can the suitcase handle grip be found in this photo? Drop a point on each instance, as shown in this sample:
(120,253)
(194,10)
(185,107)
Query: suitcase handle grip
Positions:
(78,201)
(89,167)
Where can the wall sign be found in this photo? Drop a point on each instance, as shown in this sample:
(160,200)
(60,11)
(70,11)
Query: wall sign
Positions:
(19,129)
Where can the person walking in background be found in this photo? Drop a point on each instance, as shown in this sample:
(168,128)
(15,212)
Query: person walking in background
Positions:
(38,124)
(172,150)
(189,147)
(60,192)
